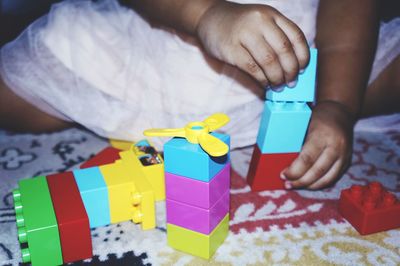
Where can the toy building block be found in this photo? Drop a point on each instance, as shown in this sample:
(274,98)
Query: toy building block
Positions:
(143,198)
(197,219)
(150,164)
(264,171)
(122,145)
(73,222)
(304,91)
(189,160)
(106,156)
(370,209)
(283,127)
(36,222)
(195,243)
(94,194)
(131,196)
(198,193)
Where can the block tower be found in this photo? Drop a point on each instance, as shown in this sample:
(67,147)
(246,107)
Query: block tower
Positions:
(282,130)
(197,178)
(54,213)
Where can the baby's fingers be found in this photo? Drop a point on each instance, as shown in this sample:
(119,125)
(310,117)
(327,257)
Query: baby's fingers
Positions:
(283,48)
(265,57)
(297,39)
(329,177)
(306,159)
(319,169)
(248,64)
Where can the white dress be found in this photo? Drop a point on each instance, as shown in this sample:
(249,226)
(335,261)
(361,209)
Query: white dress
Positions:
(105,67)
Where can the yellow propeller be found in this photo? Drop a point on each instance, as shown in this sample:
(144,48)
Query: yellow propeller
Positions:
(198,133)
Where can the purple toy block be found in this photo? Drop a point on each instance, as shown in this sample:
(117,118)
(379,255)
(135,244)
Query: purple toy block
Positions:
(197,219)
(198,193)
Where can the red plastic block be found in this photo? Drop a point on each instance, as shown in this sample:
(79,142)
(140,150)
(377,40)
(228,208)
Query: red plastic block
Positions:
(265,169)
(370,209)
(73,222)
(106,156)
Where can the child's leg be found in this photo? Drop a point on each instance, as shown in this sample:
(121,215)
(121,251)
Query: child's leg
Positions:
(18,115)
(383,94)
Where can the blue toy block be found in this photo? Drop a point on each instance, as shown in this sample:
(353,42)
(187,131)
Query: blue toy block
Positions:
(283,127)
(190,160)
(304,91)
(94,193)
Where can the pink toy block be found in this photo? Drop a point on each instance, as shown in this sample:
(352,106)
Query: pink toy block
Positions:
(197,219)
(198,193)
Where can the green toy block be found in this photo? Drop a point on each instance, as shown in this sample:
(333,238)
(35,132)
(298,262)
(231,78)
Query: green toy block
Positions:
(195,243)
(37,223)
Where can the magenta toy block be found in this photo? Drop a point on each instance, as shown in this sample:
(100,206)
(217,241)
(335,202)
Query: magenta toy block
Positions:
(198,193)
(197,219)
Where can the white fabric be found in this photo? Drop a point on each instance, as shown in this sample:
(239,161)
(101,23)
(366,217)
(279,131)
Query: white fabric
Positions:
(105,67)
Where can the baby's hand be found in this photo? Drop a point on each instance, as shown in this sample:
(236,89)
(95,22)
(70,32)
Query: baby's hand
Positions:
(327,151)
(257,39)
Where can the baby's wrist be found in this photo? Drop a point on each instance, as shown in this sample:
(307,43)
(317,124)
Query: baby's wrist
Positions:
(341,107)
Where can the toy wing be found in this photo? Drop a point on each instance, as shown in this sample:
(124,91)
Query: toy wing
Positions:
(198,132)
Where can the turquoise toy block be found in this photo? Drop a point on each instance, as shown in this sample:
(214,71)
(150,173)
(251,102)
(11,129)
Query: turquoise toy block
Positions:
(94,193)
(283,127)
(304,91)
(190,160)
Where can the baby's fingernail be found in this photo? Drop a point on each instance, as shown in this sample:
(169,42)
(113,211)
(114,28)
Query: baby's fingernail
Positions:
(282,176)
(288,185)
(292,84)
(302,71)
(278,88)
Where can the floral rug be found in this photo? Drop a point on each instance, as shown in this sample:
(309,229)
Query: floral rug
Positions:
(266,228)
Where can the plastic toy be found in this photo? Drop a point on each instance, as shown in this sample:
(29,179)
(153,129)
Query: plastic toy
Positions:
(37,223)
(73,222)
(54,214)
(282,130)
(197,158)
(370,209)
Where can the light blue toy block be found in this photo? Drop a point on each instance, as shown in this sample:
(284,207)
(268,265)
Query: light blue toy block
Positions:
(283,127)
(304,91)
(190,160)
(94,193)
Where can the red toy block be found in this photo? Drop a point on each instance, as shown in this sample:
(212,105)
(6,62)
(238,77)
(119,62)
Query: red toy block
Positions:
(73,222)
(370,209)
(106,156)
(265,169)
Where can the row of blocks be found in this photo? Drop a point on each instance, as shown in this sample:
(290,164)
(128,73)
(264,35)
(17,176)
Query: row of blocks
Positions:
(54,211)
(282,130)
(197,197)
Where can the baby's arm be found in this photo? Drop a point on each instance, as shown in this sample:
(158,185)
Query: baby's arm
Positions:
(346,39)
(256,38)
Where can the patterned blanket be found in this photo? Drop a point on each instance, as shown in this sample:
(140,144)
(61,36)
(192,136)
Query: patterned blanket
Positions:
(266,228)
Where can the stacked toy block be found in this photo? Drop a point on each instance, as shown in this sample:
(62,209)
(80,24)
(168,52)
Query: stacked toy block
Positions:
(197,197)
(54,213)
(370,209)
(283,126)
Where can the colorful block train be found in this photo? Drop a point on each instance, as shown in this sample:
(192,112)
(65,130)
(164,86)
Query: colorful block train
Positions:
(53,211)
(115,186)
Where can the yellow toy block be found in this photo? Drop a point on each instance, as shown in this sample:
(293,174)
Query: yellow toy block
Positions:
(121,189)
(121,144)
(195,243)
(144,196)
(152,167)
